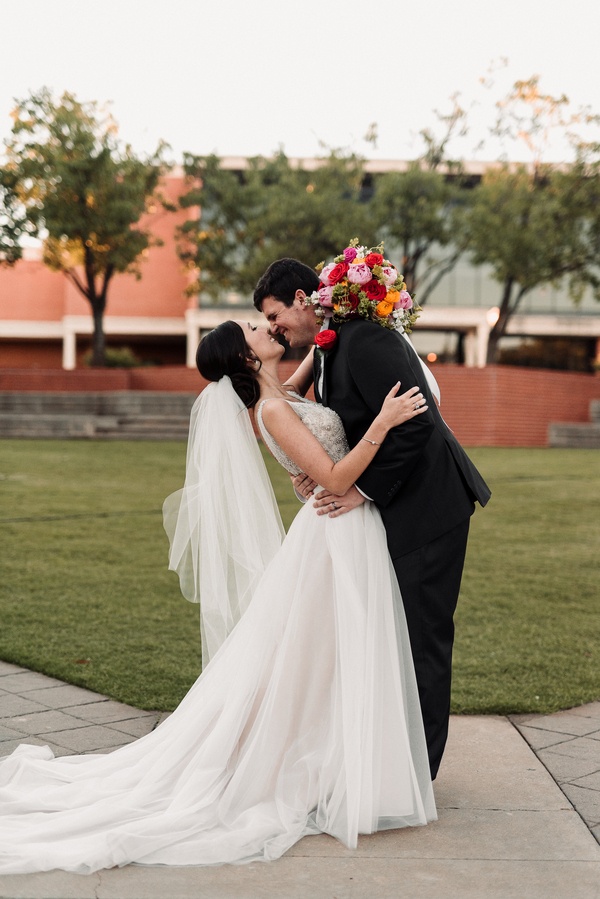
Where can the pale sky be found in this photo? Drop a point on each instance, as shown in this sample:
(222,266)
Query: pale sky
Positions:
(245,78)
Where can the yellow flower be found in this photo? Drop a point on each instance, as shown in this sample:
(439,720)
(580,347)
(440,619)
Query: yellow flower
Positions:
(384,308)
(392,297)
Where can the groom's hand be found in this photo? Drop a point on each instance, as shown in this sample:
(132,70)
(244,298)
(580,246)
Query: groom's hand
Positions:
(304,486)
(327,503)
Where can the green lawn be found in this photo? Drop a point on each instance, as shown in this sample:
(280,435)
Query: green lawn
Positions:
(85,595)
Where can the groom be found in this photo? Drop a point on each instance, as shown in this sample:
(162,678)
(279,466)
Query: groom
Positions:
(421,480)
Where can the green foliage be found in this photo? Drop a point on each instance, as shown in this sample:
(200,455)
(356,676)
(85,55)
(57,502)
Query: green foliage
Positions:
(85,595)
(83,192)
(534,227)
(416,211)
(276,208)
(14,224)
(537,224)
(272,209)
(116,357)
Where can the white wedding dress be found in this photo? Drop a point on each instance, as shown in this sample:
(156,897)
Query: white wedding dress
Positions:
(306,720)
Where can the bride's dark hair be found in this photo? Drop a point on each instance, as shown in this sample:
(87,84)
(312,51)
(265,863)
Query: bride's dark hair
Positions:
(224,351)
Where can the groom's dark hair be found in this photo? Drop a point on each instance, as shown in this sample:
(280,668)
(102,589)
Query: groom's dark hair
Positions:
(282,279)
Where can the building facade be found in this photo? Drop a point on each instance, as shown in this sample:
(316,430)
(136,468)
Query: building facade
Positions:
(45,323)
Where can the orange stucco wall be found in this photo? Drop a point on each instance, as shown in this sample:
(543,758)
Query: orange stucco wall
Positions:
(31,292)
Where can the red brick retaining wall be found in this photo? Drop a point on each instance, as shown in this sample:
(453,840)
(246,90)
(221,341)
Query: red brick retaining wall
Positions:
(508,406)
(494,406)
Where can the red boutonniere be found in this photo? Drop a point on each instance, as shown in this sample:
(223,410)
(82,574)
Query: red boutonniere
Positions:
(326,339)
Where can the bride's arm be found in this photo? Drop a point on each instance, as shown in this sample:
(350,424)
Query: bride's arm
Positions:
(302,378)
(303,448)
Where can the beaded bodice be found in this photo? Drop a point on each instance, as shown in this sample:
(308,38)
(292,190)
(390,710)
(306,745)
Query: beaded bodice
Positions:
(324,423)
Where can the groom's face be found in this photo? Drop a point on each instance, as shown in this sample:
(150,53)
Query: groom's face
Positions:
(296,323)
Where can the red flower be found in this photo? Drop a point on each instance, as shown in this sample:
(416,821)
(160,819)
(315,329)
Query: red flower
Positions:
(337,272)
(374,290)
(373,259)
(326,339)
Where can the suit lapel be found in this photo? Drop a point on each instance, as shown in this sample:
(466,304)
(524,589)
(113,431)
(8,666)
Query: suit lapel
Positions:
(318,374)
(323,391)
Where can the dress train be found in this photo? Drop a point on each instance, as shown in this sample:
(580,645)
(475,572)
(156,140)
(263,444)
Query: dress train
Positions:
(306,720)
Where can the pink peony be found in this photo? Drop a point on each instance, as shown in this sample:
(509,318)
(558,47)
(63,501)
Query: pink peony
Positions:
(390,275)
(325,296)
(325,272)
(350,254)
(404,300)
(359,274)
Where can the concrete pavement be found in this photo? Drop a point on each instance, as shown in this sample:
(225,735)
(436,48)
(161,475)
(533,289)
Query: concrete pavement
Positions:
(518,802)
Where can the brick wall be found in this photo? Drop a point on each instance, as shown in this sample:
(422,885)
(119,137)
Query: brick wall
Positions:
(494,406)
(509,406)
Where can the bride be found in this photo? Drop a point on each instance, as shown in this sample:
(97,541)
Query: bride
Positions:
(306,716)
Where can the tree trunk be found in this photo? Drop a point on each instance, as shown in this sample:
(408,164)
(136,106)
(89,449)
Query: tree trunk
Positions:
(98,304)
(508,307)
(493,346)
(98,339)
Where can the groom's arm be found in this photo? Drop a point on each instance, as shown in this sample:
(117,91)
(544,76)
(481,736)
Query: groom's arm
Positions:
(377,358)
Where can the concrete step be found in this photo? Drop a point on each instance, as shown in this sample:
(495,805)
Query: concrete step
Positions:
(122,415)
(144,427)
(576,436)
(99,403)
(109,427)
(41,425)
(141,435)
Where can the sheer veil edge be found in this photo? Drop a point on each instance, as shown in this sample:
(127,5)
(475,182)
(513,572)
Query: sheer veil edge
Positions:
(224,525)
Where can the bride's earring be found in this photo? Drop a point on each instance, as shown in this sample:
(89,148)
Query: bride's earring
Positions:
(256,364)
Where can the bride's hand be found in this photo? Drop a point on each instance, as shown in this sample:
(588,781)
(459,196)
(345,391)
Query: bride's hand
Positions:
(398,409)
(327,503)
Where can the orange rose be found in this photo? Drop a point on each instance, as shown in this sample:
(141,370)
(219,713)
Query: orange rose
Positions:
(384,308)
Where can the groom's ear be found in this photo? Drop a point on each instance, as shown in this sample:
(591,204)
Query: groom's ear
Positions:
(300,296)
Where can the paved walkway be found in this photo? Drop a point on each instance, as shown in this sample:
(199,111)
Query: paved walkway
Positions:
(518,801)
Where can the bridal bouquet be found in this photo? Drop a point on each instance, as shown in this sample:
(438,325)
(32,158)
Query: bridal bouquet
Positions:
(360,283)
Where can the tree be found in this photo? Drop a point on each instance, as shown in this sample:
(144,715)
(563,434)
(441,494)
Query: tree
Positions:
(539,223)
(271,209)
(13,220)
(68,180)
(416,210)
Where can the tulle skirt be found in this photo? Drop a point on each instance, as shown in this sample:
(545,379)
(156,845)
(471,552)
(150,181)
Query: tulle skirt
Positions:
(305,721)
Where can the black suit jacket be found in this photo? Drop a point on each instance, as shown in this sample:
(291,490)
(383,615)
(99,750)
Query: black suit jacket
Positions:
(421,479)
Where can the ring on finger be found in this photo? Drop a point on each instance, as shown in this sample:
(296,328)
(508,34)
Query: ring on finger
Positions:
(335,505)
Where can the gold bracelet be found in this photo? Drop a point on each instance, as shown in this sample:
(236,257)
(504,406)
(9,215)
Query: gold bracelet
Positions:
(372,442)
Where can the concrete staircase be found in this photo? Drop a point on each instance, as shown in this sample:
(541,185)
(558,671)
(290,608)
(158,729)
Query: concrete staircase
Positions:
(583,435)
(126,415)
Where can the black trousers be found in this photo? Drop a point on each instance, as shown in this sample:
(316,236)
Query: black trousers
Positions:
(429,579)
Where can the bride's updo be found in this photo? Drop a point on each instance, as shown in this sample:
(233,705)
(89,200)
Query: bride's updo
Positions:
(224,351)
